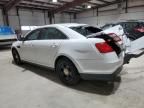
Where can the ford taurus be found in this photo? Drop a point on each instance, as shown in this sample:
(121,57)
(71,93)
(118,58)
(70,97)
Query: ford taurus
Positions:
(75,51)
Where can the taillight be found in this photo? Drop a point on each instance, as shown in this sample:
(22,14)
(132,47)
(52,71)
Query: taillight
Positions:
(103,47)
(115,37)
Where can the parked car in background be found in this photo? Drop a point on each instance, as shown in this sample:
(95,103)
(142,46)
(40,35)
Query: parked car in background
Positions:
(133,38)
(132,29)
(7,36)
(74,50)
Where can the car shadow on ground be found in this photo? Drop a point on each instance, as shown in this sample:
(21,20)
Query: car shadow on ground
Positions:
(95,87)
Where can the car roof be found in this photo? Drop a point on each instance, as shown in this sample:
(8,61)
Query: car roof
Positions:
(64,24)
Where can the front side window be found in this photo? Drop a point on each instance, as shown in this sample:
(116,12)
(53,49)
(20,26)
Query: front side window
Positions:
(51,33)
(33,35)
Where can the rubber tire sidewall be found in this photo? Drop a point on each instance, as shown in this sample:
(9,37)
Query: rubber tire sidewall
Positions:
(17,62)
(74,71)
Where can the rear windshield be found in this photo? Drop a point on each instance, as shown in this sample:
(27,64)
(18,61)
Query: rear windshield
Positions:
(86,30)
(4,30)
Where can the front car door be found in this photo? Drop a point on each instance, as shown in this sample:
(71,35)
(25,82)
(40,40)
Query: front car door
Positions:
(49,42)
(27,48)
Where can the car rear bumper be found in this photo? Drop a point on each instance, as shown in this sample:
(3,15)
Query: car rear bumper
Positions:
(105,77)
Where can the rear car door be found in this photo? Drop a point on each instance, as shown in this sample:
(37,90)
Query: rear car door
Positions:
(27,48)
(48,45)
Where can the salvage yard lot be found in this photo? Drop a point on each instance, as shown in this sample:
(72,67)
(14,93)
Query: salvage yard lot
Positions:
(29,86)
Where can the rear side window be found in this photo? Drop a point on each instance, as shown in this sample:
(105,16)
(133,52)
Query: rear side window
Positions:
(51,33)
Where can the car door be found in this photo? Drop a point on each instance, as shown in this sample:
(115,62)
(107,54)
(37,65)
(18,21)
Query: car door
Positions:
(48,45)
(27,48)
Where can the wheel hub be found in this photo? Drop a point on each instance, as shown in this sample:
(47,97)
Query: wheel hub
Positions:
(66,71)
(16,56)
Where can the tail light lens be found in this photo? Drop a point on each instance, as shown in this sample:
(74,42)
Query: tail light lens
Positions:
(115,37)
(103,47)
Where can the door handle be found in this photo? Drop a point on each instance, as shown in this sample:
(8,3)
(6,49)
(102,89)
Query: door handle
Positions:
(54,45)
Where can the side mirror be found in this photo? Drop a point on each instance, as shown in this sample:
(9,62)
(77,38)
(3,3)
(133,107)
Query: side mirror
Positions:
(20,38)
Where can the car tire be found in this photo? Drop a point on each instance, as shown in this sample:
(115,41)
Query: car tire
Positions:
(16,57)
(67,72)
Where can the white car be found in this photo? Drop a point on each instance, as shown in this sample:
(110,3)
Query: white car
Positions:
(71,51)
(7,36)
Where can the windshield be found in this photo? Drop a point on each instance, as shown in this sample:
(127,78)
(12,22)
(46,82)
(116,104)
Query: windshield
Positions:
(86,30)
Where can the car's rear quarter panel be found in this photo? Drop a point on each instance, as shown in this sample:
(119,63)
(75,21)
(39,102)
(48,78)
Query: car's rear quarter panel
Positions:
(83,53)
